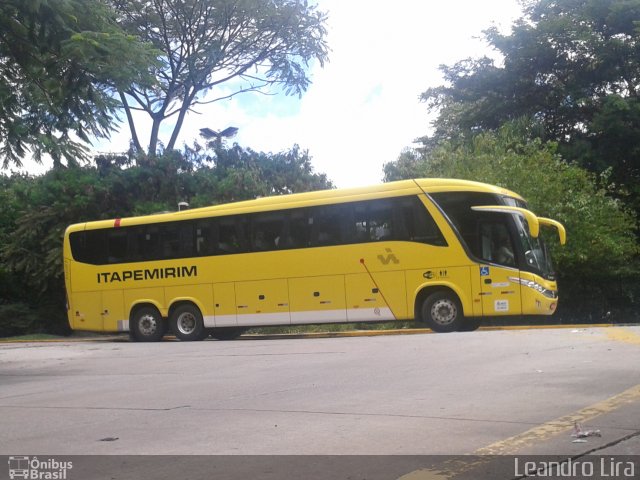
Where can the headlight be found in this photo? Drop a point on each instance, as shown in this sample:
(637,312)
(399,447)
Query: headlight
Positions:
(536,286)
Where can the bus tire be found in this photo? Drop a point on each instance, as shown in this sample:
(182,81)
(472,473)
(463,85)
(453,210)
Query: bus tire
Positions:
(186,323)
(470,324)
(442,312)
(227,333)
(146,325)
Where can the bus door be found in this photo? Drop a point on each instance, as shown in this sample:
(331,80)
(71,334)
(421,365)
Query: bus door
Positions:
(500,290)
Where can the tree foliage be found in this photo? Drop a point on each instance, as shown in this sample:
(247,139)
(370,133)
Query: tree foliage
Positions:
(60,63)
(242,173)
(601,250)
(573,66)
(215,49)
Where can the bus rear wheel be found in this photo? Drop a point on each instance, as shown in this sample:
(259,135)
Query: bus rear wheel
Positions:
(442,312)
(186,323)
(146,325)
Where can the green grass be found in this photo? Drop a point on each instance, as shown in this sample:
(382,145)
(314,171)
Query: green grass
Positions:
(32,337)
(337,327)
(295,329)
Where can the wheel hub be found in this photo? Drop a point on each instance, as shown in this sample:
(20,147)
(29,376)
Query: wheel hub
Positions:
(443,312)
(186,323)
(148,325)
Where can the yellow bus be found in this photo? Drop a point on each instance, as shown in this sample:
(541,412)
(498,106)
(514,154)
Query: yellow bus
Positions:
(443,252)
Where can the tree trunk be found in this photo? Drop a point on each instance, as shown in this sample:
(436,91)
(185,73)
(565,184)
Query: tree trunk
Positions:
(183,112)
(153,140)
(132,126)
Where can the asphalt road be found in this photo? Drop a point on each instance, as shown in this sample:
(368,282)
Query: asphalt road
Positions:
(513,392)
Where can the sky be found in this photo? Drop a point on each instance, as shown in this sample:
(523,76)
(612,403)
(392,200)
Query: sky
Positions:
(362,109)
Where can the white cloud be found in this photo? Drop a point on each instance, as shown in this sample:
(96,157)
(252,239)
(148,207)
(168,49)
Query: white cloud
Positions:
(362,108)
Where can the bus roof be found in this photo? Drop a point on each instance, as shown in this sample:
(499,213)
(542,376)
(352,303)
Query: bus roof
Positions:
(319,197)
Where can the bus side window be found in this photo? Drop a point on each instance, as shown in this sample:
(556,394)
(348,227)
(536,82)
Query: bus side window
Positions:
(298,229)
(328,225)
(267,230)
(78,243)
(231,235)
(206,237)
(421,227)
(380,220)
(117,247)
(170,242)
(96,248)
(400,227)
(177,240)
(360,223)
(144,243)
(186,236)
(89,246)
(373,221)
(134,249)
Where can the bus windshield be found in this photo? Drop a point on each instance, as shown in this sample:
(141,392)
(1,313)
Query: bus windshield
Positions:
(484,231)
(535,251)
(536,254)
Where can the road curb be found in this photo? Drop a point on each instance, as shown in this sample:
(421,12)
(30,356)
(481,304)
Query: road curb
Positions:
(412,331)
(352,333)
(67,340)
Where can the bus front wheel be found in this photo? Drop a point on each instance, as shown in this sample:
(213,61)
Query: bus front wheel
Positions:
(470,324)
(186,323)
(442,312)
(146,325)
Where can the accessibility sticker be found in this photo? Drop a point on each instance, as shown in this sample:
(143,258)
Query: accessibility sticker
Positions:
(484,271)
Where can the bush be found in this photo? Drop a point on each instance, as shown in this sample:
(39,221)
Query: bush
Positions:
(18,319)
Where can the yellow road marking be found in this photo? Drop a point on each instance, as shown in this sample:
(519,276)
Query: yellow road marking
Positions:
(512,445)
(425,474)
(559,425)
(623,335)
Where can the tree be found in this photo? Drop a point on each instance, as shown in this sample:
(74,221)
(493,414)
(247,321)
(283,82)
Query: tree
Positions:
(573,66)
(600,259)
(60,62)
(222,47)
(242,173)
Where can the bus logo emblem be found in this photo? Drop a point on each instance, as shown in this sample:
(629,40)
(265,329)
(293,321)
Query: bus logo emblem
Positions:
(390,257)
